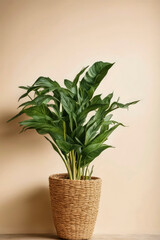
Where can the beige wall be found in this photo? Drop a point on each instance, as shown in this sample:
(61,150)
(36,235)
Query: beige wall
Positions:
(57,38)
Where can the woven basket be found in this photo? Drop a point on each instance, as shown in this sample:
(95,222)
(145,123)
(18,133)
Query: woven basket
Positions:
(74,205)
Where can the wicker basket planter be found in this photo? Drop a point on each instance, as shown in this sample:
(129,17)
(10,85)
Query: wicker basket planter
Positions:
(74,205)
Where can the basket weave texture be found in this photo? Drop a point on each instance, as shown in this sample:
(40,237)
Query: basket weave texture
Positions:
(75,205)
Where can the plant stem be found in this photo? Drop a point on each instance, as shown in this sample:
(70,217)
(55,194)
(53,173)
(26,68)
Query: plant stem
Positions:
(68,166)
(64,130)
(78,168)
(74,165)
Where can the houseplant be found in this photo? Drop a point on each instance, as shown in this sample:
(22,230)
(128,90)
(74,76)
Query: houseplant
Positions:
(62,114)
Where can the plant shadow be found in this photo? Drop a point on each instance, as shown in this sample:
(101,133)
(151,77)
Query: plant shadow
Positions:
(13,144)
(30,211)
(10,133)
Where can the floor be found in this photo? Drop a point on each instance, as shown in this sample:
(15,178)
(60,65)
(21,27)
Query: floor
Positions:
(98,237)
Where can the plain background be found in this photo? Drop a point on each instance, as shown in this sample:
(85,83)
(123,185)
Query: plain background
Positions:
(56,38)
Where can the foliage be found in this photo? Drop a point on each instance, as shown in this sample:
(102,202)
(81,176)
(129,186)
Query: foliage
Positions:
(62,113)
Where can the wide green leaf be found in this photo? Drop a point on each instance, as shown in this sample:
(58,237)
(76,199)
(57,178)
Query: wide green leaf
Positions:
(88,158)
(38,112)
(103,136)
(92,130)
(47,83)
(84,113)
(66,146)
(68,83)
(93,77)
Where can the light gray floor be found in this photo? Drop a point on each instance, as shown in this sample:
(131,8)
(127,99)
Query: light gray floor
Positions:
(97,237)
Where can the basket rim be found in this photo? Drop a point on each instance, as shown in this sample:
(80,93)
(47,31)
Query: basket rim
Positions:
(60,177)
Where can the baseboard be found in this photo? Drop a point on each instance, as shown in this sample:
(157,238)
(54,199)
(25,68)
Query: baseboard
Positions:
(95,237)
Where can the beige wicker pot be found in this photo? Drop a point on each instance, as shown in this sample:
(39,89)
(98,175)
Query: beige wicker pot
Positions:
(74,205)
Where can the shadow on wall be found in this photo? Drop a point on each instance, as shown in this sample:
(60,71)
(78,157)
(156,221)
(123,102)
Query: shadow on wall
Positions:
(10,133)
(13,143)
(31,210)
(29,207)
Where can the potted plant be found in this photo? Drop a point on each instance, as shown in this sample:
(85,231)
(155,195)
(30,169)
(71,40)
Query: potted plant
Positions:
(62,114)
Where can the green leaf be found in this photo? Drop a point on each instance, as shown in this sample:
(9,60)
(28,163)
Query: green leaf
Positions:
(17,115)
(88,109)
(68,103)
(54,146)
(29,89)
(93,77)
(92,131)
(25,104)
(103,136)
(70,86)
(107,99)
(116,105)
(90,148)
(46,82)
(79,133)
(37,101)
(106,123)
(66,146)
(68,83)
(42,125)
(38,112)
(88,158)
(56,109)
(24,87)
(76,79)
(96,100)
